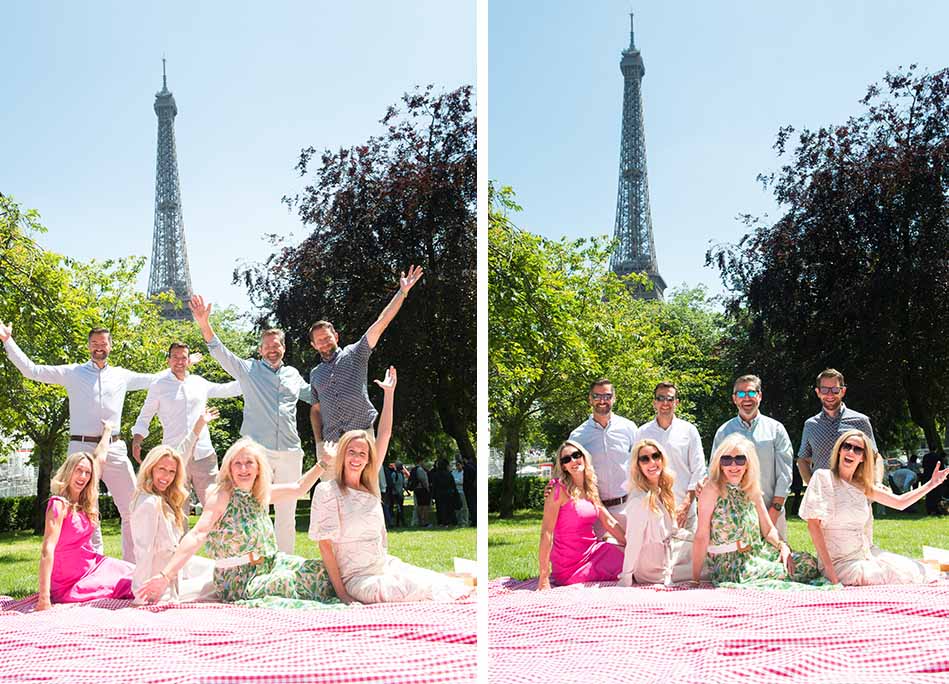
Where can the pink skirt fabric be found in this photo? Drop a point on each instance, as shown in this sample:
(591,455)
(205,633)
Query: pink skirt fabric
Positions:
(81,574)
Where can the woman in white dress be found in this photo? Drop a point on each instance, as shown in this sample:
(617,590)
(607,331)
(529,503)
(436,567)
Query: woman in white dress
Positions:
(347,521)
(159,520)
(836,506)
(657,551)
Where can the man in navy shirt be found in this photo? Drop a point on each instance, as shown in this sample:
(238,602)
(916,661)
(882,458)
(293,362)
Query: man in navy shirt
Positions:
(340,399)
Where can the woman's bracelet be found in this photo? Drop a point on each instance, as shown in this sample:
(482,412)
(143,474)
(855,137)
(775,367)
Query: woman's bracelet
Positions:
(162,573)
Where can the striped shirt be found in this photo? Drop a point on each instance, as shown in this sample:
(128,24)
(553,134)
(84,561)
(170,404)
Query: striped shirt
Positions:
(822,431)
(339,386)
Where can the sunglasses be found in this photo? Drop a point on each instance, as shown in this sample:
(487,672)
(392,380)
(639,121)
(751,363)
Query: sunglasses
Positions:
(847,446)
(738,460)
(566,458)
(830,390)
(741,394)
(601,396)
(659,397)
(646,458)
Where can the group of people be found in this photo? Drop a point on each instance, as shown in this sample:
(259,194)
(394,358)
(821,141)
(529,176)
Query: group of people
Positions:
(673,519)
(250,558)
(452,490)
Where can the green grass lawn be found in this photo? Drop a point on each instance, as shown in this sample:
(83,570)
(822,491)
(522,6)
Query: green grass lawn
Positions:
(512,544)
(431,548)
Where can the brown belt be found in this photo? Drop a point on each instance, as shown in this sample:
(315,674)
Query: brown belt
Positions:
(94,440)
(614,502)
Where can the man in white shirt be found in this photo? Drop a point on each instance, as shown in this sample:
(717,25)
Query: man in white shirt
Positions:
(179,398)
(96,392)
(772,444)
(609,438)
(683,447)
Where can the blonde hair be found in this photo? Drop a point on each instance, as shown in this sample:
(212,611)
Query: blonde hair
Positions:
(261,488)
(658,495)
(369,477)
(749,484)
(88,501)
(864,475)
(588,490)
(176,494)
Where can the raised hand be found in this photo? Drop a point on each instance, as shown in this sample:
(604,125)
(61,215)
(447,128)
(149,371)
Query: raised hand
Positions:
(406,281)
(199,309)
(195,357)
(6,330)
(208,415)
(388,385)
(329,453)
(939,475)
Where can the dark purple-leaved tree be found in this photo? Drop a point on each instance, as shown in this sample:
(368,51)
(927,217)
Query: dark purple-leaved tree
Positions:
(407,196)
(855,273)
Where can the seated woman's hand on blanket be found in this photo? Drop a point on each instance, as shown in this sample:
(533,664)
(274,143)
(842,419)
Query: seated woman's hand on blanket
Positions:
(786,559)
(543,584)
(43,603)
(153,589)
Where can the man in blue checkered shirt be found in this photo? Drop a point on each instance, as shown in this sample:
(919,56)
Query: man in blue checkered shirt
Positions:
(822,431)
(340,398)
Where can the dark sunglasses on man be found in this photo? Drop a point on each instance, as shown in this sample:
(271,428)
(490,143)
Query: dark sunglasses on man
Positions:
(830,390)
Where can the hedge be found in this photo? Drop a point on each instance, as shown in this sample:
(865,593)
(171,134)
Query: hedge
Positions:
(16,512)
(528,493)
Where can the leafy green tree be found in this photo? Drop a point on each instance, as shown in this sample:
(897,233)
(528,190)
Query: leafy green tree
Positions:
(855,273)
(558,318)
(52,303)
(406,197)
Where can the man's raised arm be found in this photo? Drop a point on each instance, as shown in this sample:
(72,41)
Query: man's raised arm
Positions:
(406,281)
(53,375)
(236,367)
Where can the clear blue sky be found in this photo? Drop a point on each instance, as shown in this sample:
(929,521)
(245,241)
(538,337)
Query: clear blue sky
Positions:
(254,83)
(721,78)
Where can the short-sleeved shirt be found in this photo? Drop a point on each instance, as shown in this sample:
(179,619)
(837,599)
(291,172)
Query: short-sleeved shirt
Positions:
(609,448)
(339,386)
(822,431)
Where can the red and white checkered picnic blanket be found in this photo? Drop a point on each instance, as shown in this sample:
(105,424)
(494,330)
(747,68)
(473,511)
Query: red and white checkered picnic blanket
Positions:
(108,641)
(600,632)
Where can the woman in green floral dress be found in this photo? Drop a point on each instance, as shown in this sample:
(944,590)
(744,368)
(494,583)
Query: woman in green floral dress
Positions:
(239,534)
(735,531)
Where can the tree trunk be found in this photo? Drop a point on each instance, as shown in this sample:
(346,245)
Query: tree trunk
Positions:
(456,428)
(512,444)
(920,412)
(43,456)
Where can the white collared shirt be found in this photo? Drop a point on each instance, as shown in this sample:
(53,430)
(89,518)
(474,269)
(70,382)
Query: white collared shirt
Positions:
(609,448)
(178,404)
(95,394)
(683,447)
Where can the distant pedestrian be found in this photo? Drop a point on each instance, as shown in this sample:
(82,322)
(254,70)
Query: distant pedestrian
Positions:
(443,490)
(421,494)
(458,474)
(471,490)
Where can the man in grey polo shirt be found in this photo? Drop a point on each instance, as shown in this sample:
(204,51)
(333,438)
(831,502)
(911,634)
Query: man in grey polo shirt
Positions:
(772,444)
(609,438)
(96,392)
(271,390)
(822,431)
(340,399)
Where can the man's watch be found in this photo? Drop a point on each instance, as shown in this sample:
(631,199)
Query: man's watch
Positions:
(777,506)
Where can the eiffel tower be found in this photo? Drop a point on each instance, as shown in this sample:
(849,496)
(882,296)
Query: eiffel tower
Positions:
(636,251)
(170,272)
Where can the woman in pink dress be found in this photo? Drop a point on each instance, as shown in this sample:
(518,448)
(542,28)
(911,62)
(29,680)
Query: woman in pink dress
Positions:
(70,570)
(569,550)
